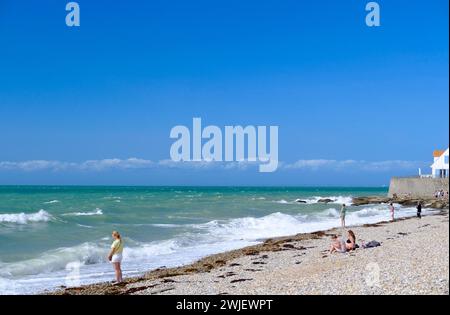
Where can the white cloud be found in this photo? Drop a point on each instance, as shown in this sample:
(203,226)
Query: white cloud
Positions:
(94,165)
(207,165)
(310,164)
(105,164)
(393,164)
(387,165)
(172,164)
(136,163)
(35,165)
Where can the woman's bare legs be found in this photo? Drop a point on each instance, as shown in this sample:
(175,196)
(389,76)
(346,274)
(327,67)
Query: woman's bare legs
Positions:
(118,271)
(335,247)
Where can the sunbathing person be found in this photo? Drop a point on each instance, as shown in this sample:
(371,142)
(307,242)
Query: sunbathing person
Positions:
(338,245)
(351,241)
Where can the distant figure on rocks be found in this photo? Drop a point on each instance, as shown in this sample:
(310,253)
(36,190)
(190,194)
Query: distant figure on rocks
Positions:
(343,211)
(392,209)
(419,210)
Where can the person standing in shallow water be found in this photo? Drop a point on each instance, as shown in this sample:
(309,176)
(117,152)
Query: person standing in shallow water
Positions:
(115,255)
(419,210)
(343,211)
(392,209)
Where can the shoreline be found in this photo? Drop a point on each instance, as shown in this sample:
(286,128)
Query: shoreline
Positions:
(217,269)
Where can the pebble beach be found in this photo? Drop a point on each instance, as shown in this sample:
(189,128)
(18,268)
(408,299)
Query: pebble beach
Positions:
(413,259)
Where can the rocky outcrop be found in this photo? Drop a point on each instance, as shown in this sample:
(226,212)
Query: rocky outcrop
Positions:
(359,201)
(404,201)
(438,204)
(325,200)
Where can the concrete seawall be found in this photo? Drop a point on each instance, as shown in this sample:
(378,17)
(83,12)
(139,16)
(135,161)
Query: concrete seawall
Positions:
(417,187)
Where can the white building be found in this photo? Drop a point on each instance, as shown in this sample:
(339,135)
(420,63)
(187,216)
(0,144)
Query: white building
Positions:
(439,169)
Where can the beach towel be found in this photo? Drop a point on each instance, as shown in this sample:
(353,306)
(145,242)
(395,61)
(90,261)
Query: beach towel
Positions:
(372,244)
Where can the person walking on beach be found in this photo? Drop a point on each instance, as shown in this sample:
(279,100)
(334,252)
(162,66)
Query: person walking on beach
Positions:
(115,255)
(419,210)
(343,211)
(392,209)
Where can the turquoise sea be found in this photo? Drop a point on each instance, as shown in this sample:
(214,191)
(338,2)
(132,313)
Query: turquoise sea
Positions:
(53,236)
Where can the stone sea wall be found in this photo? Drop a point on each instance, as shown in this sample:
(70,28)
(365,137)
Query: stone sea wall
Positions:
(417,187)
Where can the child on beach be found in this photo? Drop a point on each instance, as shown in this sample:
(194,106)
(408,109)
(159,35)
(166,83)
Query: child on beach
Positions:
(392,209)
(343,211)
(115,255)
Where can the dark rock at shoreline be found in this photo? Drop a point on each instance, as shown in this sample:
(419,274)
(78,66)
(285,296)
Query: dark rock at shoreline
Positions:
(300,201)
(325,200)
(407,202)
(438,204)
(359,201)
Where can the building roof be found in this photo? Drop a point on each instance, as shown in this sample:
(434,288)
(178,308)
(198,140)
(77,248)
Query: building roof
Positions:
(440,163)
(438,153)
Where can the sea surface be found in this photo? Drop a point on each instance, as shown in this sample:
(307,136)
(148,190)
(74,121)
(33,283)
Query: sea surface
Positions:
(53,236)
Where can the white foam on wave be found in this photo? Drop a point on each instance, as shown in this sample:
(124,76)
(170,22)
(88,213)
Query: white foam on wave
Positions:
(55,268)
(367,215)
(112,198)
(252,229)
(51,202)
(151,250)
(348,200)
(198,240)
(54,260)
(25,218)
(85,226)
(162,225)
(313,200)
(281,224)
(97,211)
(8,287)
(330,213)
(283,202)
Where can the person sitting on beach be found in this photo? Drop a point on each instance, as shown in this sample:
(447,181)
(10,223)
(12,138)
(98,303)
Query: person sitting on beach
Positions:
(115,255)
(351,241)
(338,244)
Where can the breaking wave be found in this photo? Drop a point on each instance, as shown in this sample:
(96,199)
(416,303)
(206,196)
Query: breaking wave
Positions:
(25,218)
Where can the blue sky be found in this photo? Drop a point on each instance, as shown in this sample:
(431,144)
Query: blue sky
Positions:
(355,105)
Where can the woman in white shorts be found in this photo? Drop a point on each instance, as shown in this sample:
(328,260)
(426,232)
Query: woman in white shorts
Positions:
(115,255)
